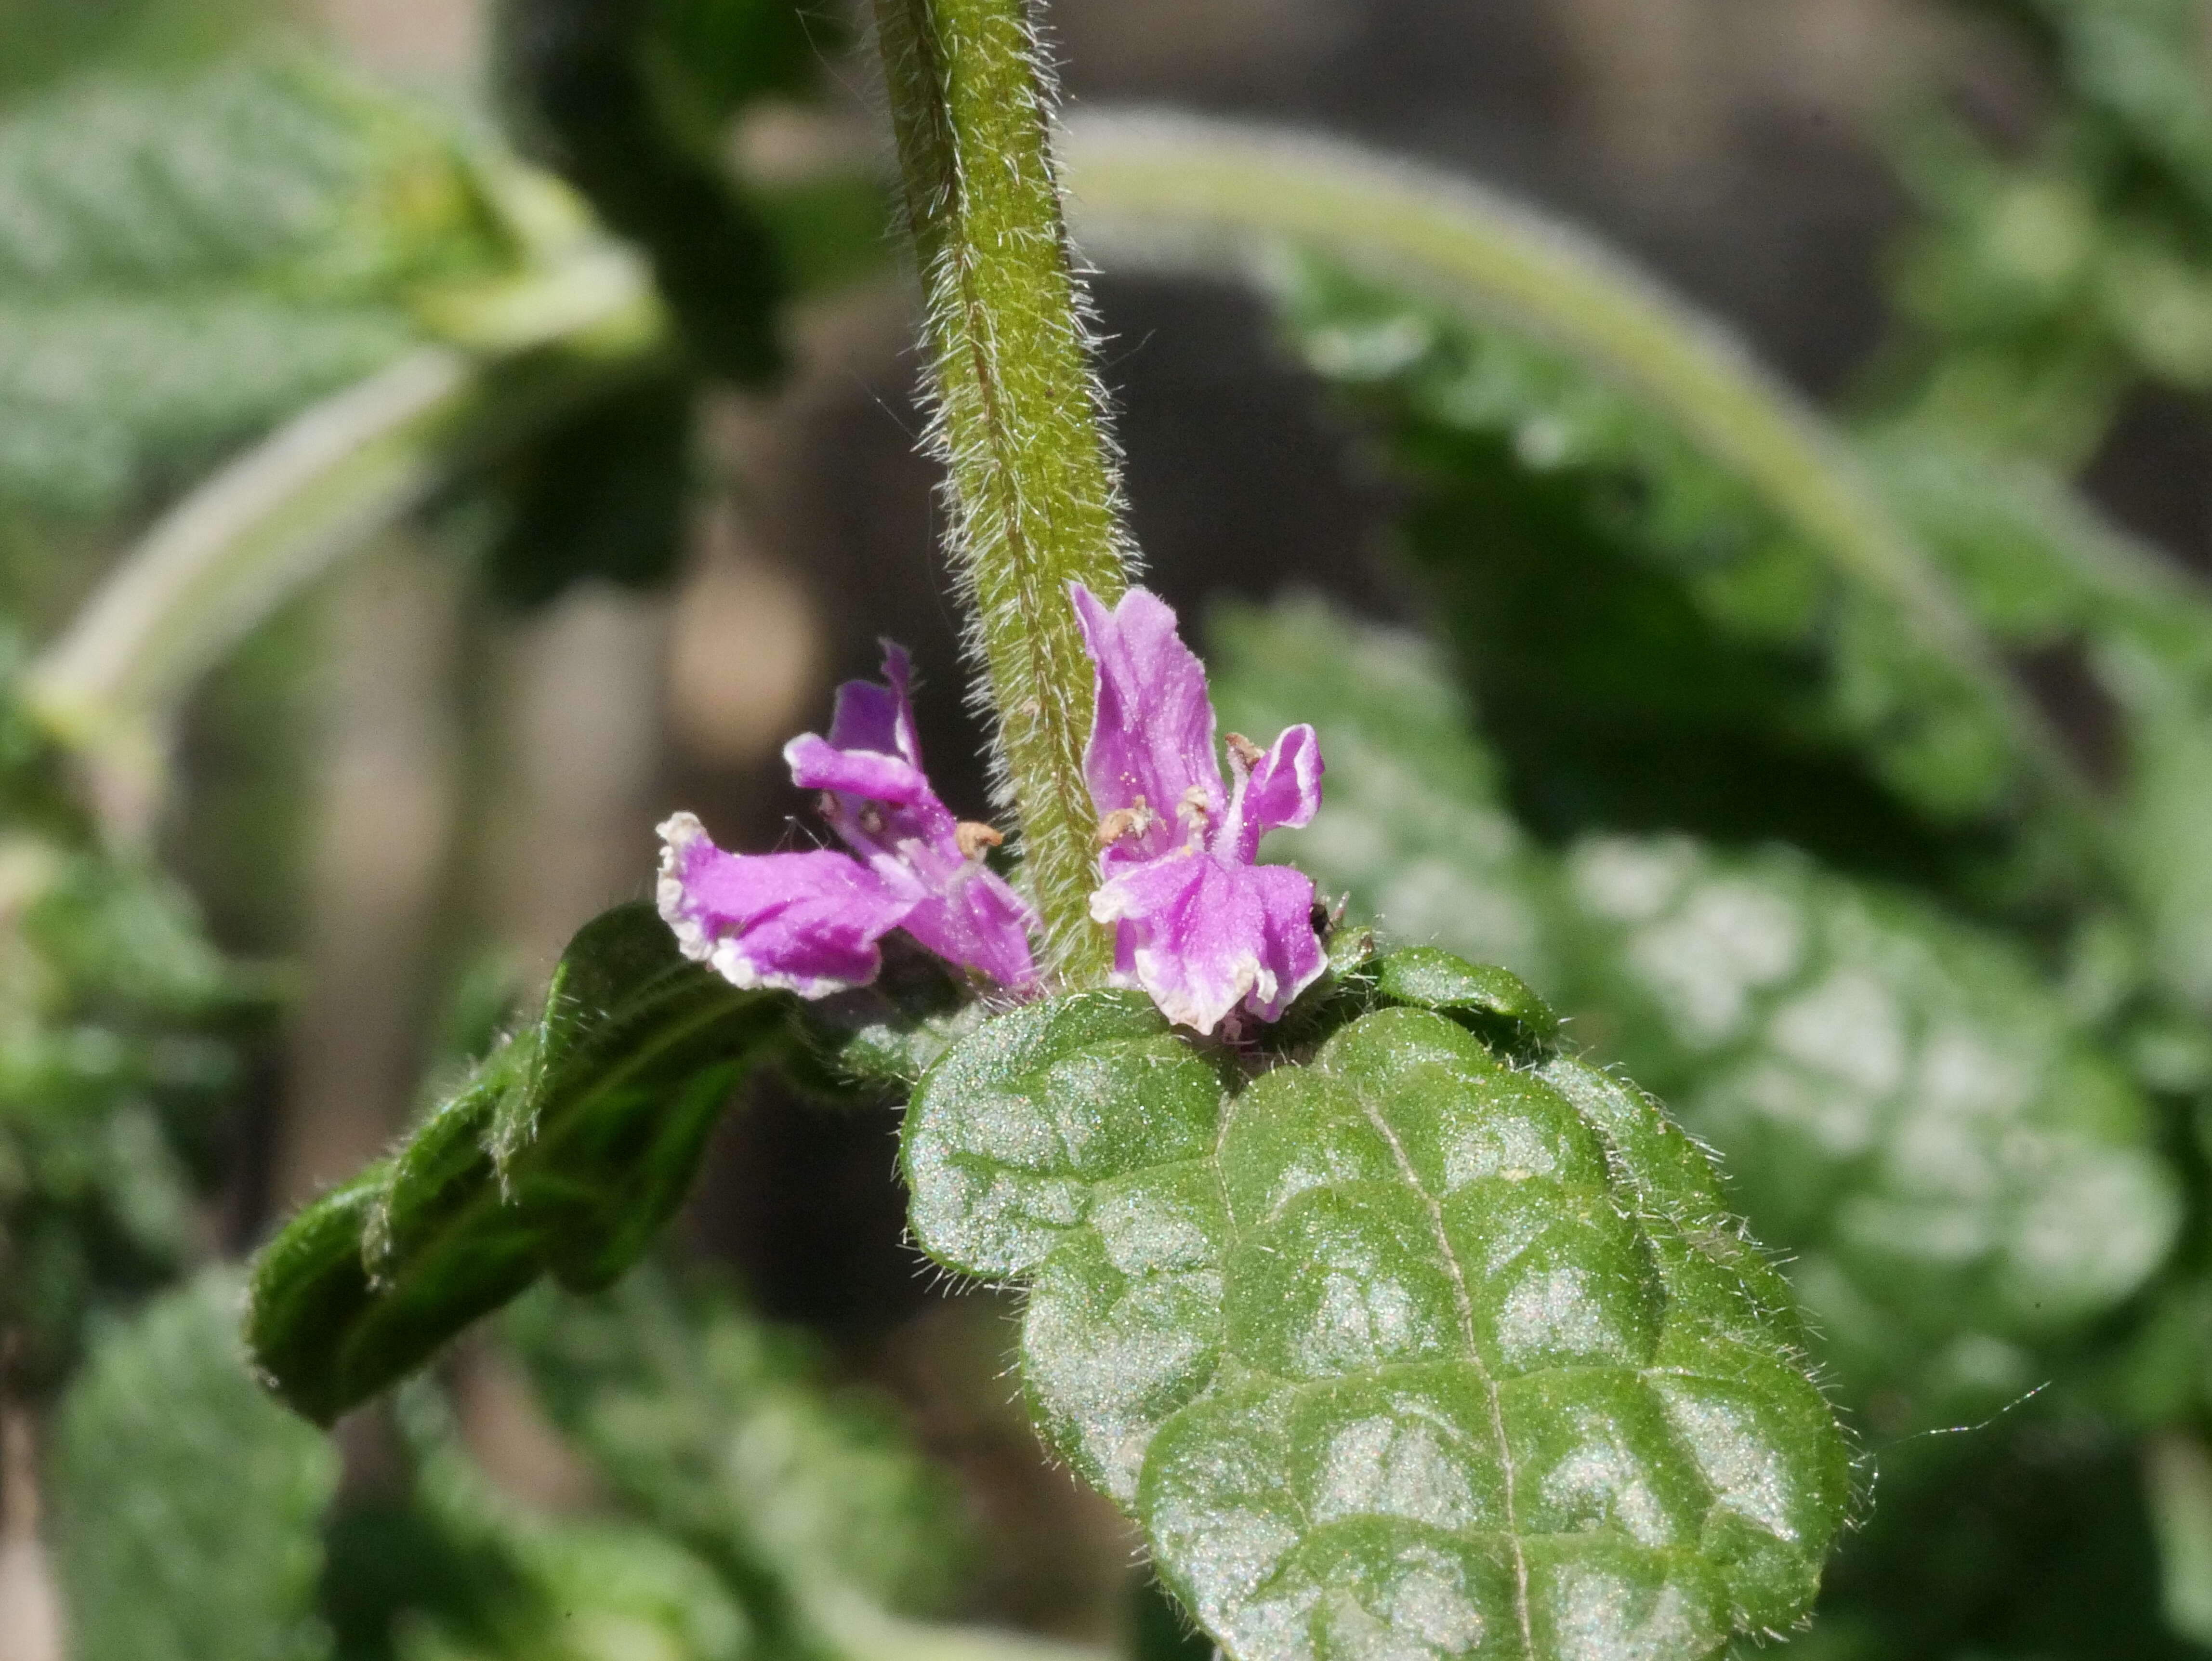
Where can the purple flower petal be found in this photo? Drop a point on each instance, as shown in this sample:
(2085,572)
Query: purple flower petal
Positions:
(817,765)
(1197,924)
(1150,754)
(976,920)
(806,923)
(879,718)
(1292,951)
(1203,935)
(811,919)
(1282,792)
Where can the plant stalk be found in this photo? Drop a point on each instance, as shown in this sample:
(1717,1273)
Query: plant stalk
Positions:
(1032,478)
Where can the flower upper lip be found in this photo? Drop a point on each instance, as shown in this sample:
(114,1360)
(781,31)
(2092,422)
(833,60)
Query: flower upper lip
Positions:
(1198,924)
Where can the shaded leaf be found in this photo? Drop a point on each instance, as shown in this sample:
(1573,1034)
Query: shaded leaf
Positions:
(460,1570)
(1650,641)
(188,1505)
(718,1429)
(604,495)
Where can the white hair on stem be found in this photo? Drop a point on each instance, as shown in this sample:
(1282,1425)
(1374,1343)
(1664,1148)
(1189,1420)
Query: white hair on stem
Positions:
(1019,417)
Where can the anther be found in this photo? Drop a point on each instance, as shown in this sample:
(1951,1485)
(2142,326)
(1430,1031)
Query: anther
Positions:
(974,836)
(1131,821)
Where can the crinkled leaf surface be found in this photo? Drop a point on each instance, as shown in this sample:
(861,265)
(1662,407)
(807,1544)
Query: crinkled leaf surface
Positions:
(1403,1349)
(566,1154)
(1898,1099)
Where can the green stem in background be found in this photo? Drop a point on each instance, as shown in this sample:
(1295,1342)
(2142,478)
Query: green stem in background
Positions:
(1182,193)
(219,562)
(1033,485)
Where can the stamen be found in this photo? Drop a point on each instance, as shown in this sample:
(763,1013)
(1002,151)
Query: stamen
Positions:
(1245,751)
(1124,822)
(974,836)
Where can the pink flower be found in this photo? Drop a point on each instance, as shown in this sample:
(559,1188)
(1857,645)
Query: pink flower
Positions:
(1199,925)
(810,922)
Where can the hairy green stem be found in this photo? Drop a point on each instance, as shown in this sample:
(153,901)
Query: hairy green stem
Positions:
(1032,477)
(1181,191)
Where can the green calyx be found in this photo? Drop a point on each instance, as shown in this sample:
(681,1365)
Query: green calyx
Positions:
(1403,1345)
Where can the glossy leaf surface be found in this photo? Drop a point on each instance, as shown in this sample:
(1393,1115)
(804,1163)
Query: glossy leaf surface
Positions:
(1898,1099)
(1401,1347)
(566,1154)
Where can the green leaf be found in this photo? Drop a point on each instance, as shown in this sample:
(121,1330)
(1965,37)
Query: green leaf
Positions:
(1679,597)
(565,1154)
(1961,1175)
(1401,1347)
(877,1041)
(187,1504)
(1497,1004)
(1652,642)
(1960,1172)
(183,263)
(2050,575)
(718,1429)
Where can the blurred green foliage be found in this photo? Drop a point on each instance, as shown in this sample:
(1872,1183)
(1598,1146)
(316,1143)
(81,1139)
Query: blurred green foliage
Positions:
(716,1429)
(189,1504)
(123,1036)
(182,264)
(2050,276)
